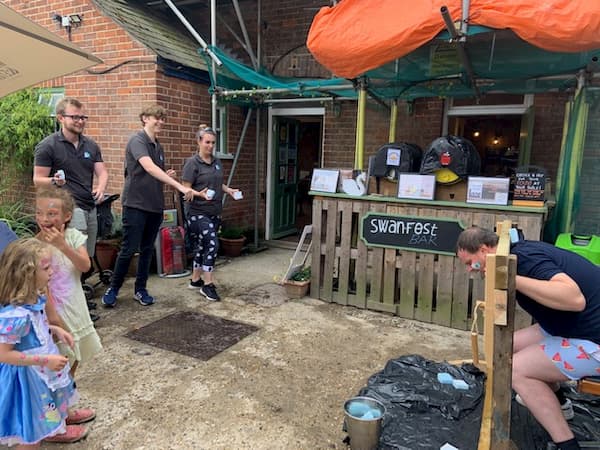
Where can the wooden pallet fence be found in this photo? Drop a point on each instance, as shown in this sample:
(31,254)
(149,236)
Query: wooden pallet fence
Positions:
(428,287)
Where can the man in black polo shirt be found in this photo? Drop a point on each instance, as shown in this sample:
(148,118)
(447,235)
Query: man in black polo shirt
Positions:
(79,158)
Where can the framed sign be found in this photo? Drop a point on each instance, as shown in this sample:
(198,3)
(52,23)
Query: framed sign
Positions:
(530,184)
(423,234)
(411,185)
(489,190)
(324,180)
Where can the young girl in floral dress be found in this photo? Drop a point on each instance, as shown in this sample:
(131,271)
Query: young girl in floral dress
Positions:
(36,387)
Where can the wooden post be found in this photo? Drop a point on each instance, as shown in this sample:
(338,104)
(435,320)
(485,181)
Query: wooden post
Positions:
(500,277)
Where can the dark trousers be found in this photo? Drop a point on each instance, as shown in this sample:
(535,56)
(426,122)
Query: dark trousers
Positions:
(139,232)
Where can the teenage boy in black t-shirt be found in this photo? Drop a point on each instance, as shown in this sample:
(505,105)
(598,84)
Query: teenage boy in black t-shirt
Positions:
(143,204)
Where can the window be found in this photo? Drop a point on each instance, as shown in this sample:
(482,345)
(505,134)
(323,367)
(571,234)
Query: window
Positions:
(222,132)
(50,97)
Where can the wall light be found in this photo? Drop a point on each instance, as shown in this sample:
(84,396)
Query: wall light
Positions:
(496,141)
(476,133)
(69,22)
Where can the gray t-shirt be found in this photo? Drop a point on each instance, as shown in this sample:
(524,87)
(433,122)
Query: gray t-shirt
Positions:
(56,152)
(143,191)
(203,175)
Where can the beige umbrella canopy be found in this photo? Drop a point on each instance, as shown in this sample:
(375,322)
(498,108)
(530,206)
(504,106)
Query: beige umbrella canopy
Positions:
(30,54)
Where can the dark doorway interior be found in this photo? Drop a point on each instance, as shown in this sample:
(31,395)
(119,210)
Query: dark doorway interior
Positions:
(309,146)
(496,139)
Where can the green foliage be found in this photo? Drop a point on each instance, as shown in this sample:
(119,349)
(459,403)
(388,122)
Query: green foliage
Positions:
(232,232)
(14,215)
(23,123)
(302,275)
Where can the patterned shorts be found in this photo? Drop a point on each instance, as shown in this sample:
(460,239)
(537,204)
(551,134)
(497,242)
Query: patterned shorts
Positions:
(575,358)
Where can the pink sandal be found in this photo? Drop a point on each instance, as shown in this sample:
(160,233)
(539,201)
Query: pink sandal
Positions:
(82,415)
(74,433)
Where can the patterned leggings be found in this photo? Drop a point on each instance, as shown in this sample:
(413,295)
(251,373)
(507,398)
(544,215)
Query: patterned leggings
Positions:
(203,231)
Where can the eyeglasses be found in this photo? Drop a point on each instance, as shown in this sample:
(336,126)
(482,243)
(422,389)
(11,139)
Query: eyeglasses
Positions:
(75,117)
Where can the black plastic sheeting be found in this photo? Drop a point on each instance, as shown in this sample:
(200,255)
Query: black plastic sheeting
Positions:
(421,413)
(454,153)
(410,160)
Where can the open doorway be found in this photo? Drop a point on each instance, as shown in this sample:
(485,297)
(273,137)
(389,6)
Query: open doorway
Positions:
(496,138)
(295,143)
(309,145)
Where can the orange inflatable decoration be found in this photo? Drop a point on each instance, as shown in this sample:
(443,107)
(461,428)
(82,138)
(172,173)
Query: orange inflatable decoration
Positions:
(359,35)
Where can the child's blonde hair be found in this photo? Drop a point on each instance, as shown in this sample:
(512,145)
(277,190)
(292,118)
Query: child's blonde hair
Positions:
(18,265)
(56,193)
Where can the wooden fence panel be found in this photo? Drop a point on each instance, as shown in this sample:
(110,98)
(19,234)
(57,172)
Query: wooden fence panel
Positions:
(344,259)
(411,284)
(316,269)
(331,207)
(362,259)
(374,296)
(425,276)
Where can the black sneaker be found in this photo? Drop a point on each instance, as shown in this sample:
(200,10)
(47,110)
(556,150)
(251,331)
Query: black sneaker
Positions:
(210,292)
(196,284)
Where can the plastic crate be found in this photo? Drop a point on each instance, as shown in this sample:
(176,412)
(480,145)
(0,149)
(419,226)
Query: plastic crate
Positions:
(584,245)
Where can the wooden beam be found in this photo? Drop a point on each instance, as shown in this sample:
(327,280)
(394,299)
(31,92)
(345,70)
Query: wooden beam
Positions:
(500,282)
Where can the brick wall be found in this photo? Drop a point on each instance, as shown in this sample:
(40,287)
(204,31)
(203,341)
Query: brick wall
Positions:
(113,100)
(547,130)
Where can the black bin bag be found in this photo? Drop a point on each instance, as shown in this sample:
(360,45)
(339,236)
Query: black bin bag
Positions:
(409,161)
(454,153)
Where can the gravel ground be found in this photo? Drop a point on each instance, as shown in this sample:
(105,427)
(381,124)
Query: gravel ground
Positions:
(282,387)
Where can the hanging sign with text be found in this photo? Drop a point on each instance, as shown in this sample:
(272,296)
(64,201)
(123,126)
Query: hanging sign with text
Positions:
(422,234)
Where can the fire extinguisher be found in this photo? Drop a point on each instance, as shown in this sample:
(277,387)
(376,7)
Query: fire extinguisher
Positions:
(173,250)
(178,249)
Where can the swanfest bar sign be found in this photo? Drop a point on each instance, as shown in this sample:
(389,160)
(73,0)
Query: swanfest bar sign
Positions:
(421,234)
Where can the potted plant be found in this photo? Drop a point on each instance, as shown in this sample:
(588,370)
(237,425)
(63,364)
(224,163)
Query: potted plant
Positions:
(231,240)
(297,285)
(107,247)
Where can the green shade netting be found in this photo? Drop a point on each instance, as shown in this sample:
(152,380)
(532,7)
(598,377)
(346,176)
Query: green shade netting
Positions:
(586,211)
(233,75)
(574,180)
(501,62)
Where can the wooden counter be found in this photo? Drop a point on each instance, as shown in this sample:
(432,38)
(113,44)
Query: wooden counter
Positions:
(417,285)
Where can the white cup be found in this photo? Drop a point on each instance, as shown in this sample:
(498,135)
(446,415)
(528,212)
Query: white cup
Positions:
(237,195)
(210,194)
(60,174)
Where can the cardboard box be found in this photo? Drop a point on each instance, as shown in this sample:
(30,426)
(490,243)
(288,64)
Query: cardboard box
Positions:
(456,192)
(387,188)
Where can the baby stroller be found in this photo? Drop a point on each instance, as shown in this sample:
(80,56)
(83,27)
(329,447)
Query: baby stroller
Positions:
(105,224)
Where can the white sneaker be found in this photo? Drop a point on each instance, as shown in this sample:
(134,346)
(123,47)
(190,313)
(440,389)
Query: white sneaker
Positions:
(566,407)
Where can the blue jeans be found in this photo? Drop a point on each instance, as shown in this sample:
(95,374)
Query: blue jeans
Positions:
(139,232)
